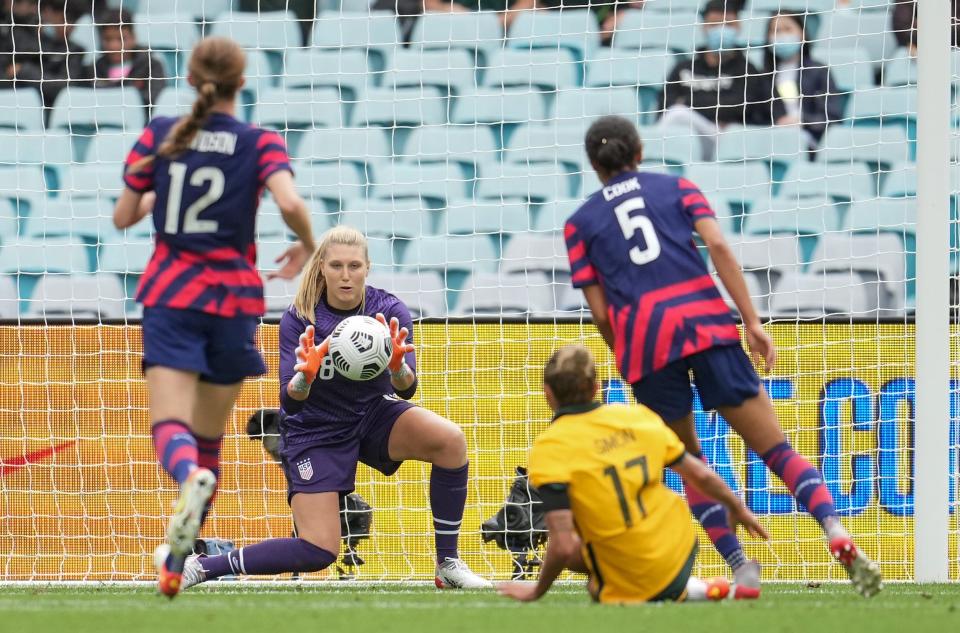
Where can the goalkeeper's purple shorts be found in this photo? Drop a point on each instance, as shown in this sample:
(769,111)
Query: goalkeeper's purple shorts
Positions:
(724,376)
(314,467)
(222,350)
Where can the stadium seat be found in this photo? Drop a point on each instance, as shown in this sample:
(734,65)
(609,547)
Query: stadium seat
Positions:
(496,105)
(651,31)
(885,145)
(406,219)
(884,215)
(128,257)
(9,221)
(331,181)
(375,31)
(767,258)
(569,301)
(86,110)
(889,105)
(901,180)
(850,68)
(423,292)
(550,217)
(551,143)
(668,145)
(272,30)
(92,180)
(644,71)
(298,109)
(359,144)
(804,216)
(455,253)
(465,144)
(408,107)
(467,216)
(535,182)
(801,6)
(537,252)
(813,296)
(433,182)
(84,219)
(590,103)
(761,299)
(278,295)
(51,255)
(779,146)
(106,147)
(748,183)
(471,31)
(452,72)
(260,74)
(899,71)
(498,294)
(174,102)
(25,184)
(878,258)
(676,6)
(95,296)
(840,181)
(22,148)
(546,69)
(866,29)
(347,70)
(9,302)
(21,110)
(166,32)
(571,29)
(270,224)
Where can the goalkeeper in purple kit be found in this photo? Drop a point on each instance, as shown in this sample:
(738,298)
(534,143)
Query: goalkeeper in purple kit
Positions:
(331,423)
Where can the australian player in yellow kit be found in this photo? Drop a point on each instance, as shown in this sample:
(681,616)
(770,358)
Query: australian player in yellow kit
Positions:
(608,513)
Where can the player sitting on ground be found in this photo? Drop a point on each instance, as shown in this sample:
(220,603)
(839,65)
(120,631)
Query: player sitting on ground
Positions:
(599,471)
(332,424)
(661,313)
(201,176)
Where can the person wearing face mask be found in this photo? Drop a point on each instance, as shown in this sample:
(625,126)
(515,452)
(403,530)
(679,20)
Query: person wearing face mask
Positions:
(802,84)
(718,86)
(62,59)
(125,62)
(19,44)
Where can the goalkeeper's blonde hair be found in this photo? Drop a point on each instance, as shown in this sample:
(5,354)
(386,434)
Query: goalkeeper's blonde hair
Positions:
(312,284)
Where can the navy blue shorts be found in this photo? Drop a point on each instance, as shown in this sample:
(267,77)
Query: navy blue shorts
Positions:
(724,377)
(222,350)
(332,467)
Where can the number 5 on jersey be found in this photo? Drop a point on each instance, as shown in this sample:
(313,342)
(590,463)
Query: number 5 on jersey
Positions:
(630,224)
(191,221)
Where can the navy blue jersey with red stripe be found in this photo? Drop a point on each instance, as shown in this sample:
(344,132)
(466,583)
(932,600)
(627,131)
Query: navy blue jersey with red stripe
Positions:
(205,215)
(634,237)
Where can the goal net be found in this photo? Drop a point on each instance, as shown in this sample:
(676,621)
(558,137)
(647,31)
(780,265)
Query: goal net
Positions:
(457,149)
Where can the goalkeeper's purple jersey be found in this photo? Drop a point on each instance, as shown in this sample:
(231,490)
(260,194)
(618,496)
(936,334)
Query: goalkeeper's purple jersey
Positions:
(332,411)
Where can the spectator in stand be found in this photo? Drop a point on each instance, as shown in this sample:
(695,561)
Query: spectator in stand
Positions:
(20,44)
(62,59)
(801,83)
(904,24)
(305,10)
(608,12)
(123,63)
(718,86)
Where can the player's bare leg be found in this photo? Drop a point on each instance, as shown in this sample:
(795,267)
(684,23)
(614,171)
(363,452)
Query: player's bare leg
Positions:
(756,422)
(713,517)
(425,436)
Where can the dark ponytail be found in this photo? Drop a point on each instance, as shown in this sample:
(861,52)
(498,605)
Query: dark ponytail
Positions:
(612,143)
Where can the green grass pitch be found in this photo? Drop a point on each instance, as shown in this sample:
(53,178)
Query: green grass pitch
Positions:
(783,608)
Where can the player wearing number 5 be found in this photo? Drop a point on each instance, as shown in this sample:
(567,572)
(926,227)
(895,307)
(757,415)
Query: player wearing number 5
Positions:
(201,176)
(599,471)
(660,312)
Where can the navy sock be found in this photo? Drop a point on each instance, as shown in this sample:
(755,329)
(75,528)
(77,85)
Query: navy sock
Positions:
(448,495)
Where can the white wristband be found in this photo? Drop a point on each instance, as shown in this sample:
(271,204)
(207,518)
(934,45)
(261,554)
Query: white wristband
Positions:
(401,373)
(299,384)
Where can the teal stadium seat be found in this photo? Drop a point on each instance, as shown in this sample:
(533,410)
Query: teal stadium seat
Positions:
(84,219)
(899,71)
(466,145)
(871,145)
(901,181)
(92,296)
(452,72)
(885,215)
(767,258)
(25,186)
(278,296)
(434,183)
(89,110)
(675,6)
(402,218)
(103,181)
(879,258)
(346,70)
(551,143)
(886,106)
(466,216)
(174,102)
(460,254)
(803,217)
(849,28)
(423,293)
(652,31)
(645,71)
(574,30)
(9,221)
(357,145)
(271,30)
(21,110)
(533,183)
(104,147)
(748,183)
(480,33)
(207,9)
(537,252)
(778,146)
(270,224)
(507,106)
(49,255)
(800,296)
(850,68)
(298,109)
(495,294)
(173,34)
(331,182)
(591,103)
(839,181)
(53,151)
(545,69)
(551,217)
(800,6)
(402,107)
(9,302)
(261,74)
(129,257)
(670,146)
(375,31)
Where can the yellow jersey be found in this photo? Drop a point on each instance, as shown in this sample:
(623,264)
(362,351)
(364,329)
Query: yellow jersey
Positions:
(637,534)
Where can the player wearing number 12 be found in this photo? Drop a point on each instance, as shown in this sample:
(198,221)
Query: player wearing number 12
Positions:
(201,176)
(651,296)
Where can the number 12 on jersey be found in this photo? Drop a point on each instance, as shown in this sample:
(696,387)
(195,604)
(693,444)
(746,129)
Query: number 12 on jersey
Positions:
(191,221)
(614,474)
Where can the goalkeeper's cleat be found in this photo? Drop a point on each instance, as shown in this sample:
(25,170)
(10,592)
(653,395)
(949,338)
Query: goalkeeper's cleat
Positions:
(864,573)
(188,513)
(168,579)
(193,573)
(453,573)
(746,581)
(718,588)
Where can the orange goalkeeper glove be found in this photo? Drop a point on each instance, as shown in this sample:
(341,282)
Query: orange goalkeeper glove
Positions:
(399,337)
(310,356)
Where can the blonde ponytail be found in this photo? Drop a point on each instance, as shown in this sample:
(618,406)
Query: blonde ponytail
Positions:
(312,284)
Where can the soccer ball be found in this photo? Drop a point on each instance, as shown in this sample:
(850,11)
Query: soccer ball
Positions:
(360,348)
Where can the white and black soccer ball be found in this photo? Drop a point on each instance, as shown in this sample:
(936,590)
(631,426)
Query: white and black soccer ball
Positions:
(360,348)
